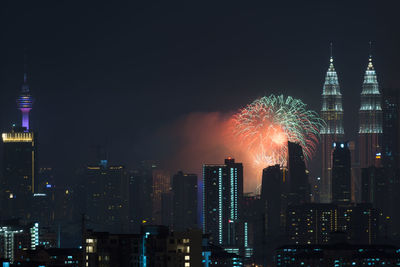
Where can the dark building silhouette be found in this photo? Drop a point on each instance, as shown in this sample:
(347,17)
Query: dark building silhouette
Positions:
(341,173)
(271,213)
(106,188)
(140,194)
(184,190)
(391,155)
(222,202)
(377,190)
(167,216)
(154,246)
(315,184)
(337,254)
(271,200)
(374,187)
(391,128)
(332,113)
(314,223)
(299,187)
(68,257)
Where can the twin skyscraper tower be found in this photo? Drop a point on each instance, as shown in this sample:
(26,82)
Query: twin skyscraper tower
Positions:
(369,127)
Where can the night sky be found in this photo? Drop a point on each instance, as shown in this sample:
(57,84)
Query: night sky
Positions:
(118,74)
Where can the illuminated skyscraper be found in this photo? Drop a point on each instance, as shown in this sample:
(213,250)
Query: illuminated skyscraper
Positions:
(332,113)
(370,120)
(19,162)
(222,200)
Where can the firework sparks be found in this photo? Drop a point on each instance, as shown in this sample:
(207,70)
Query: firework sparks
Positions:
(266,125)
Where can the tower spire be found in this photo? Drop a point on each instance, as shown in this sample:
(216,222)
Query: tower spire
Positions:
(370,117)
(332,113)
(370,51)
(24,100)
(25,67)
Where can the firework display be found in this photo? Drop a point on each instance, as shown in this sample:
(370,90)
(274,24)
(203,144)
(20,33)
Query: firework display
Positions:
(266,125)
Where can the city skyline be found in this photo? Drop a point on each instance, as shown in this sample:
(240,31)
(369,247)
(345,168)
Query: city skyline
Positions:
(195,134)
(25,101)
(129,112)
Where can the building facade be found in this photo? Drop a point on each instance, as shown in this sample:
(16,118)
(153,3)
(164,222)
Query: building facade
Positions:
(370,120)
(299,187)
(107,197)
(332,114)
(341,173)
(19,180)
(184,190)
(343,254)
(222,201)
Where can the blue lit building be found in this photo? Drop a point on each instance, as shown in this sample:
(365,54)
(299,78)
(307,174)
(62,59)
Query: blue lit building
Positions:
(222,202)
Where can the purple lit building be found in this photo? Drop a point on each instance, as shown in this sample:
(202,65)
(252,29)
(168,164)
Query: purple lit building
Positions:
(19,179)
(24,103)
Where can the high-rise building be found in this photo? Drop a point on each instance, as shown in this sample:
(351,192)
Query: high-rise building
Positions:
(251,222)
(391,128)
(370,120)
(19,180)
(271,213)
(271,200)
(341,173)
(184,190)
(222,201)
(374,187)
(332,113)
(299,187)
(310,223)
(358,222)
(161,185)
(16,236)
(140,194)
(107,197)
(314,223)
(391,154)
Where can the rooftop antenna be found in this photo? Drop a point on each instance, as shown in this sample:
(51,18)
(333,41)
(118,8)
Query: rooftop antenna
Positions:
(25,66)
(331,48)
(370,51)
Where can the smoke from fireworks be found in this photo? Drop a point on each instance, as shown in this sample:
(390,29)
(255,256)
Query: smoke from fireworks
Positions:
(265,126)
(256,135)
